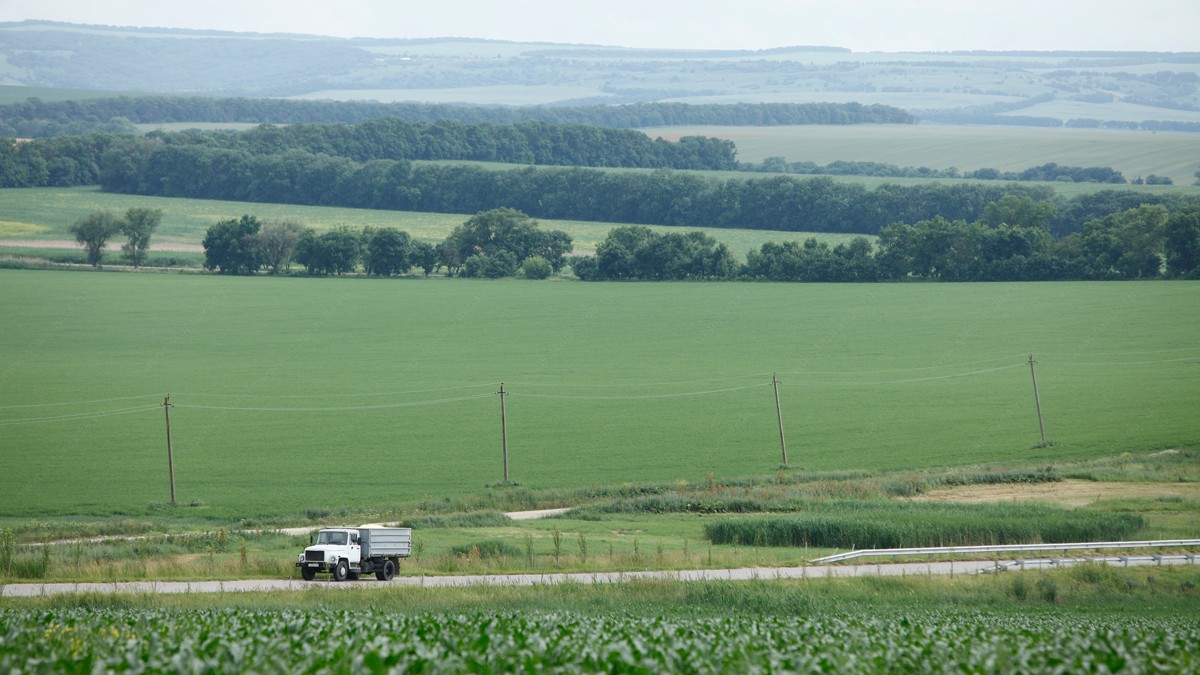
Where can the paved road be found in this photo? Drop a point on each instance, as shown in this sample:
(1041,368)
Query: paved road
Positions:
(742,574)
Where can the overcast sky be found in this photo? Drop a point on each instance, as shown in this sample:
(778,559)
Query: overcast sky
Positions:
(861,25)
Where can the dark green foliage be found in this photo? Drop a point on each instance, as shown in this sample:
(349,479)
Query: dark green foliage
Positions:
(1182,243)
(495,243)
(639,253)
(916,524)
(337,251)
(35,118)
(229,246)
(813,261)
(490,266)
(389,251)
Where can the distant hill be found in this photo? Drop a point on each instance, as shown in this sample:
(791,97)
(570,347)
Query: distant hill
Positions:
(1030,88)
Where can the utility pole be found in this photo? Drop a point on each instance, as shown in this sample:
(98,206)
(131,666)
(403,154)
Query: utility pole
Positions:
(504,431)
(779,416)
(170,456)
(1037,400)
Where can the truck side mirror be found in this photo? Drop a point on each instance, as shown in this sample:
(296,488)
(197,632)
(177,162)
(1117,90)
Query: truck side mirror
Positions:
(310,539)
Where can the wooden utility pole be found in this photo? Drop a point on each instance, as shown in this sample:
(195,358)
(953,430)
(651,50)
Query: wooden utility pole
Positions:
(1037,400)
(779,416)
(170,455)
(504,431)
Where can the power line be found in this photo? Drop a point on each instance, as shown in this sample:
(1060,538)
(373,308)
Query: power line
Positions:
(64,403)
(78,416)
(920,379)
(311,395)
(638,384)
(906,370)
(630,398)
(381,406)
(1125,363)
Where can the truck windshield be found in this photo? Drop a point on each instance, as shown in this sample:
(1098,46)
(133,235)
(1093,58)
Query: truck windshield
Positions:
(327,537)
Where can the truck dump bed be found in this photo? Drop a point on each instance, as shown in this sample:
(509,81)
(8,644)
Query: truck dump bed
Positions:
(385,541)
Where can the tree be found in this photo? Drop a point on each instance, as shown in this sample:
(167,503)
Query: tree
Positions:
(424,255)
(1183,243)
(139,224)
(92,232)
(276,243)
(229,246)
(389,251)
(493,266)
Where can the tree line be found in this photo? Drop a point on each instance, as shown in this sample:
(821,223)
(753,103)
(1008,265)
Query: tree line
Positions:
(1010,243)
(35,118)
(1050,172)
(513,143)
(157,166)
(492,244)
(788,203)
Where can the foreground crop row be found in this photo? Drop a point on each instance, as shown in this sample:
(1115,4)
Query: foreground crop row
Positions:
(239,641)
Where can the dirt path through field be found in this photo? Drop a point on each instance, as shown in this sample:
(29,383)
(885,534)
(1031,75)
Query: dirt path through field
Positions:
(1067,492)
(68,244)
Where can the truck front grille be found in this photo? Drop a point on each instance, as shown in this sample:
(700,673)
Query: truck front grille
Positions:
(314,556)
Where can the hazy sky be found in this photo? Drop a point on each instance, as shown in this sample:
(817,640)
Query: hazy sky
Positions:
(862,25)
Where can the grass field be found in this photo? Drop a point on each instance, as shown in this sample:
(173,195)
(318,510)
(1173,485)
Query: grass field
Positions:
(1134,153)
(46,213)
(296,394)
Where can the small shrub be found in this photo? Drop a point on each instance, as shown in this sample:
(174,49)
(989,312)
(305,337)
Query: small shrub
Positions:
(1048,589)
(1020,587)
(536,267)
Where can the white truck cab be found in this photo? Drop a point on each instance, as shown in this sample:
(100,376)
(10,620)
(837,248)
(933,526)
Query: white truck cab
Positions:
(347,552)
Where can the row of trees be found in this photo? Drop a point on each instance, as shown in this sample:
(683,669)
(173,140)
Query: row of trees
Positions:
(1045,173)
(496,243)
(35,118)
(1011,243)
(789,203)
(515,143)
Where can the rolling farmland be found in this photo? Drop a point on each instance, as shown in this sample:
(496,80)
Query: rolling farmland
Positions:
(32,214)
(303,393)
(1134,153)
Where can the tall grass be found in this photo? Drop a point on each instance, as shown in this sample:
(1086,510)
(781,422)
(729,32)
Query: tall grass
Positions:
(909,524)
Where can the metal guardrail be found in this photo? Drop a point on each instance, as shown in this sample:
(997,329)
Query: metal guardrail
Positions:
(1123,560)
(1007,548)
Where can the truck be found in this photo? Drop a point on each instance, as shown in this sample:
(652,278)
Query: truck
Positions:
(346,552)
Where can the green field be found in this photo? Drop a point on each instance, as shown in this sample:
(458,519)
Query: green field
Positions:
(1134,153)
(47,213)
(294,394)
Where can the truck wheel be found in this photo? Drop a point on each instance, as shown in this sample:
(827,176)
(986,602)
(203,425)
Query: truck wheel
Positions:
(308,573)
(341,572)
(386,572)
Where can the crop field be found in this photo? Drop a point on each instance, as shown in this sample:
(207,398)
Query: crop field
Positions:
(283,642)
(1134,153)
(46,213)
(294,394)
